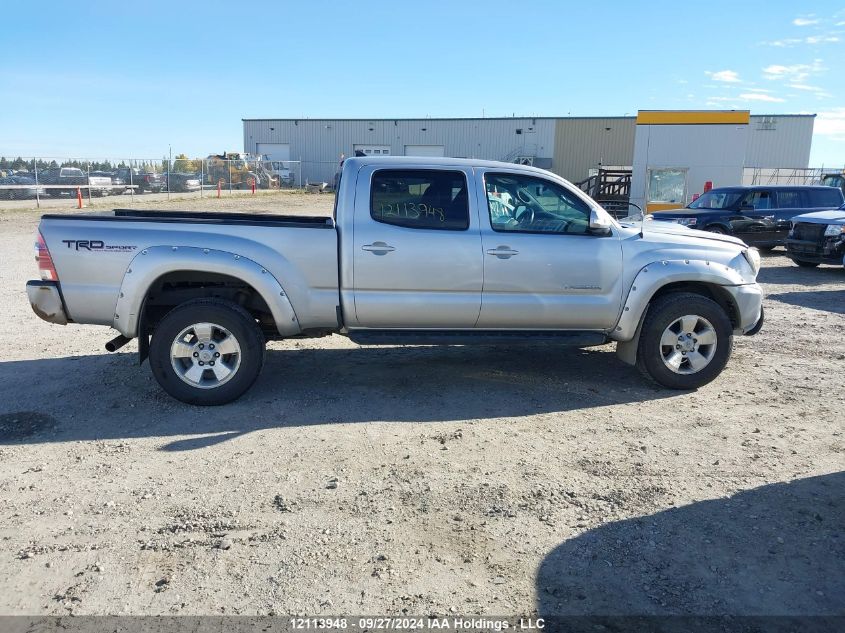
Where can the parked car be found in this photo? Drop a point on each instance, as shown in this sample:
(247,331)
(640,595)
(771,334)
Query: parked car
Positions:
(817,238)
(73,177)
(182,182)
(142,181)
(116,182)
(759,215)
(461,252)
(20,188)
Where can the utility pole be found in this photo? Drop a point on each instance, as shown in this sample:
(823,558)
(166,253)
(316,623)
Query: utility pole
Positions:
(169,167)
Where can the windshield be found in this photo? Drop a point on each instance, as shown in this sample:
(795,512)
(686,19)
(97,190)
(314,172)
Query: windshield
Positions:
(715,200)
(833,180)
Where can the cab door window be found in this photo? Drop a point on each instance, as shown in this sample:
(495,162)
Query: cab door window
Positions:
(525,204)
(790,199)
(420,199)
(759,200)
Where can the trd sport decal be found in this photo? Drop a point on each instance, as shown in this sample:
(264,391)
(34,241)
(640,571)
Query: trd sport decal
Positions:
(97,246)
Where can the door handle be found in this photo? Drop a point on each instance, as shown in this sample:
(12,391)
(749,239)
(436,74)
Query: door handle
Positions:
(378,248)
(502,252)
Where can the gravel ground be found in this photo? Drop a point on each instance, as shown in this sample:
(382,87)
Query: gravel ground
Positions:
(423,480)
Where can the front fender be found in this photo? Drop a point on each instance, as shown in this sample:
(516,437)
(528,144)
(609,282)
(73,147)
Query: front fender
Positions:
(656,275)
(153,262)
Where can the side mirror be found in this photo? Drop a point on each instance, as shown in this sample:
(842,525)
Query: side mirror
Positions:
(599,224)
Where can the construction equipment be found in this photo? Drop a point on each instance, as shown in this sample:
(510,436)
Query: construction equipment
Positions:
(239,170)
(834,179)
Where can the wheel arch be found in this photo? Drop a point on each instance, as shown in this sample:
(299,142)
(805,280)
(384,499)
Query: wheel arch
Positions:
(658,279)
(719,224)
(164,276)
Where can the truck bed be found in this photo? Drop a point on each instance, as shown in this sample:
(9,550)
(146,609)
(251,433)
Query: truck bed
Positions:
(204,217)
(93,255)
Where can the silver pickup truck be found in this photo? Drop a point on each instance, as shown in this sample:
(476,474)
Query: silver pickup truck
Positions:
(420,251)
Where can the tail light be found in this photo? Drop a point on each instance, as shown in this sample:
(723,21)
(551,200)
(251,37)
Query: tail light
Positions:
(45,261)
(147,178)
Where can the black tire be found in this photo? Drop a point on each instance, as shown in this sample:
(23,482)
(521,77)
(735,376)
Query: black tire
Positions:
(716,229)
(766,249)
(661,314)
(239,323)
(805,264)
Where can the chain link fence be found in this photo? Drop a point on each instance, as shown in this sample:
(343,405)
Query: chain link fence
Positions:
(79,180)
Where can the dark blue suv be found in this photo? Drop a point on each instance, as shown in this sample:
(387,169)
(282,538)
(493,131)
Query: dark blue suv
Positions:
(758,215)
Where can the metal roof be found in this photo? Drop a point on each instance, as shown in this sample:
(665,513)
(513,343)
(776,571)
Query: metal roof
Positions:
(489,118)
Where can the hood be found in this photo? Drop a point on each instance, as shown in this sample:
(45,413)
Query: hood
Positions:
(656,229)
(836,216)
(675,213)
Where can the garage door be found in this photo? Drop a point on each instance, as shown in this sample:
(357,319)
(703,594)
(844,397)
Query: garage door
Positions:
(274,151)
(425,150)
(373,150)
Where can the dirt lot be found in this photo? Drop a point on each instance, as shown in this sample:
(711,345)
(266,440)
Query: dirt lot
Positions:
(423,480)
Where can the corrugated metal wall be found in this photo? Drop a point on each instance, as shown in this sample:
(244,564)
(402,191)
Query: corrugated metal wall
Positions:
(584,144)
(779,141)
(569,147)
(319,143)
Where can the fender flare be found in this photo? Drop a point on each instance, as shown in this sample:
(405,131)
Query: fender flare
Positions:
(655,276)
(155,261)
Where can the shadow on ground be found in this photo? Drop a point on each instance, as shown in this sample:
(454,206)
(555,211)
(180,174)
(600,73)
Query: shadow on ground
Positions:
(110,397)
(777,550)
(801,276)
(829,300)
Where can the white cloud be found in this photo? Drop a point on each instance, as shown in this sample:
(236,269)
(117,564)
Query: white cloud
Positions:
(817,90)
(830,123)
(728,76)
(759,96)
(797,73)
(808,21)
(790,42)
(821,39)
(784,43)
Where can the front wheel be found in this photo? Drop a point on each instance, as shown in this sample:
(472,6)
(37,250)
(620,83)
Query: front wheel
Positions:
(686,341)
(207,352)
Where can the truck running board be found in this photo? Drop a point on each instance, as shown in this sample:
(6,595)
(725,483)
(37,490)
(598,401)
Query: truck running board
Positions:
(475,337)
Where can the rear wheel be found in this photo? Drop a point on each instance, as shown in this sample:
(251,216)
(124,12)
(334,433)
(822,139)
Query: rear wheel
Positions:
(207,352)
(805,264)
(685,342)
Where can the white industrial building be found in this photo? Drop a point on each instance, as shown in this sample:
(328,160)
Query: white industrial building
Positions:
(573,147)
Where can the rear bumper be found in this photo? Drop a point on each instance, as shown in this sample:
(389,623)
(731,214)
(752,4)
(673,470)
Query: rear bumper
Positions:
(748,299)
(46,301)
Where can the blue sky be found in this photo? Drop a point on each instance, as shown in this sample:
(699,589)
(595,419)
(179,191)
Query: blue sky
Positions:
(96,79)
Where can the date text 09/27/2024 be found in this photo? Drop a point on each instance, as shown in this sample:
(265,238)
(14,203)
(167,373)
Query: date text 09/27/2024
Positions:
(416,624)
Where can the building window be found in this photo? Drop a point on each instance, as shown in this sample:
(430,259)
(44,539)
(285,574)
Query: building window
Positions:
(667,186)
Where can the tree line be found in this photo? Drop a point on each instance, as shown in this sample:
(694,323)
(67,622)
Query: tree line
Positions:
(180,164)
